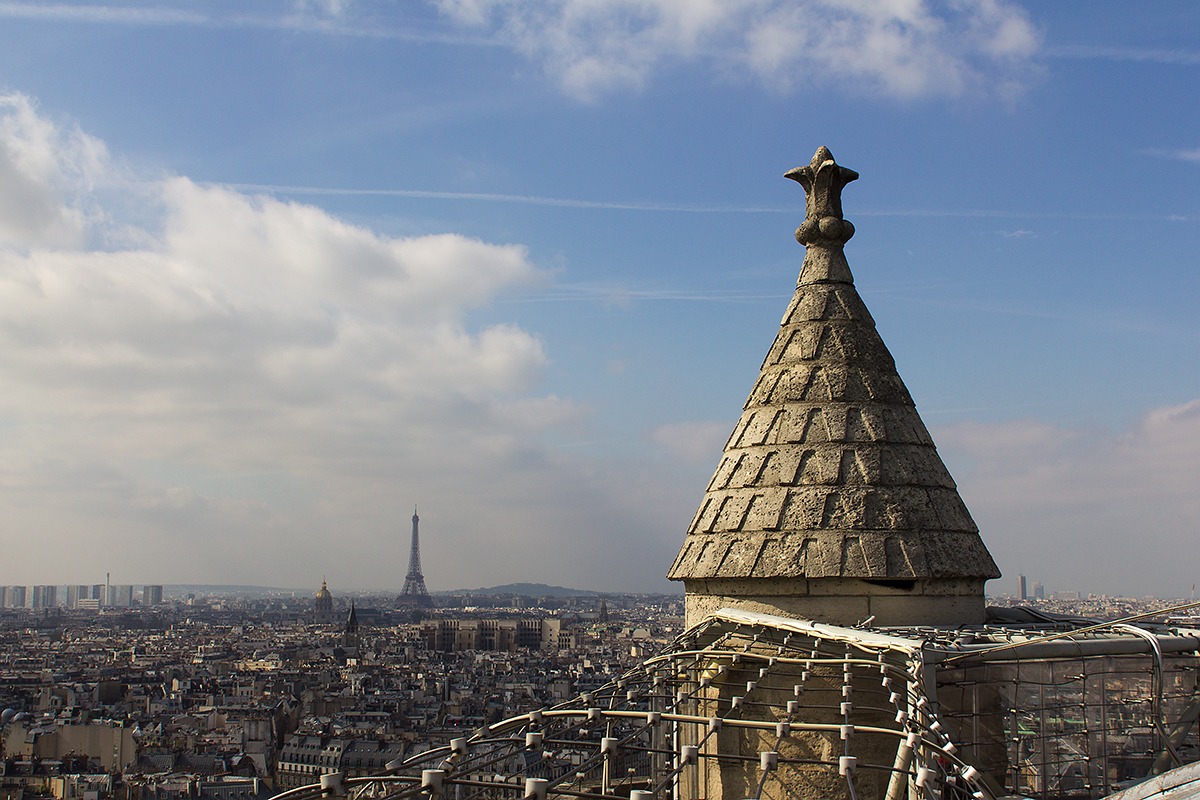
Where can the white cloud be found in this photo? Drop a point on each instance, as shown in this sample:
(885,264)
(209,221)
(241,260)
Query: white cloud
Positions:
(46,174)
(332,8)
(900,48)
(258,392)
(897,48)
(1136,54)
(1191,155)
(1085,509)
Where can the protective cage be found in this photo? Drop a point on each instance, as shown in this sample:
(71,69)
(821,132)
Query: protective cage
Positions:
(757,706)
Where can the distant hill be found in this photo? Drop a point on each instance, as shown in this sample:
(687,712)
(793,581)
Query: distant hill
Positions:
(526,589)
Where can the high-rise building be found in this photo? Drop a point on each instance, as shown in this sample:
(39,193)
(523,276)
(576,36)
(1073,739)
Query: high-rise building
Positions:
(3,597)
(97,593)
(1022,589)
(152,595)
(16,597)
(75,593)
(44,597)
(122,595)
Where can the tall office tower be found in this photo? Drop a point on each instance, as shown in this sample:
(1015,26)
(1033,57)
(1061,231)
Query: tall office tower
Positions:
(414,591)
(121,595)
(44,597)
(16,597)
(1022,588)
(151,595)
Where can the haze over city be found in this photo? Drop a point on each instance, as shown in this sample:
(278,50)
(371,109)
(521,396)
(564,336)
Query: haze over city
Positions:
(274,275)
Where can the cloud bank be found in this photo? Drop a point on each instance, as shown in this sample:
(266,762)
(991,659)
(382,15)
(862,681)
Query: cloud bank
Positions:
(243,390)
(897,48)
(1082,509)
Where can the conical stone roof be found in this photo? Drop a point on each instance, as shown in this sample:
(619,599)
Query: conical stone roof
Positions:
(830,472)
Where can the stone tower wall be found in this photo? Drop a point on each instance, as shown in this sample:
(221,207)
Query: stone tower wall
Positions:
(843,601)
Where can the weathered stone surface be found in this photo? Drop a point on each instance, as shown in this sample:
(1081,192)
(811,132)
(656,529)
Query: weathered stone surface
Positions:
(830,553)
(830,472)
(843,600)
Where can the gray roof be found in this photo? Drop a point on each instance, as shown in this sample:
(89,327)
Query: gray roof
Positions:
(830,471)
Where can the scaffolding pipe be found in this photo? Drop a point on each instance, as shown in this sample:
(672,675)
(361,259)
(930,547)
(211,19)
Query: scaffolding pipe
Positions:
(898,783)
(1034,649)
(1176,736)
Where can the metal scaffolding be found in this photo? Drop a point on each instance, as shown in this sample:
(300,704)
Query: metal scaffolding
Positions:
(766,706)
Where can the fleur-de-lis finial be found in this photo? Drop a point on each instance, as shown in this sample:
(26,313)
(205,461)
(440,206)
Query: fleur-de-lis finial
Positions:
(823,180)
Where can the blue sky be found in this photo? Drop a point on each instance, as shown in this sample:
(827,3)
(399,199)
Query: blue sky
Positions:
(274,273)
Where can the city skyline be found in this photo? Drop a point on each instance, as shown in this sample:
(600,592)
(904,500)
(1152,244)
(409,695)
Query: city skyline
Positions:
(1036,590)
(272,276)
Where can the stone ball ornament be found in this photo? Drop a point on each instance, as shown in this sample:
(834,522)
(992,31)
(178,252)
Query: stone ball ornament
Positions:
(825,229)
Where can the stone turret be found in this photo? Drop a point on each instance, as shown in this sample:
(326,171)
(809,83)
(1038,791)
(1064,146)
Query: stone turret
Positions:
(830,501)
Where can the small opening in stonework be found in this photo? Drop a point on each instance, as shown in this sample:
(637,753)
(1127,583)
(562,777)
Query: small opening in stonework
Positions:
(906,585)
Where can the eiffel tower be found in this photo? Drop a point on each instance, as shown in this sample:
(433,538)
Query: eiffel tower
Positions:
(414,592)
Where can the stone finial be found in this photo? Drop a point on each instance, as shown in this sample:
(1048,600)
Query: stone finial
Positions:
(823,180)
